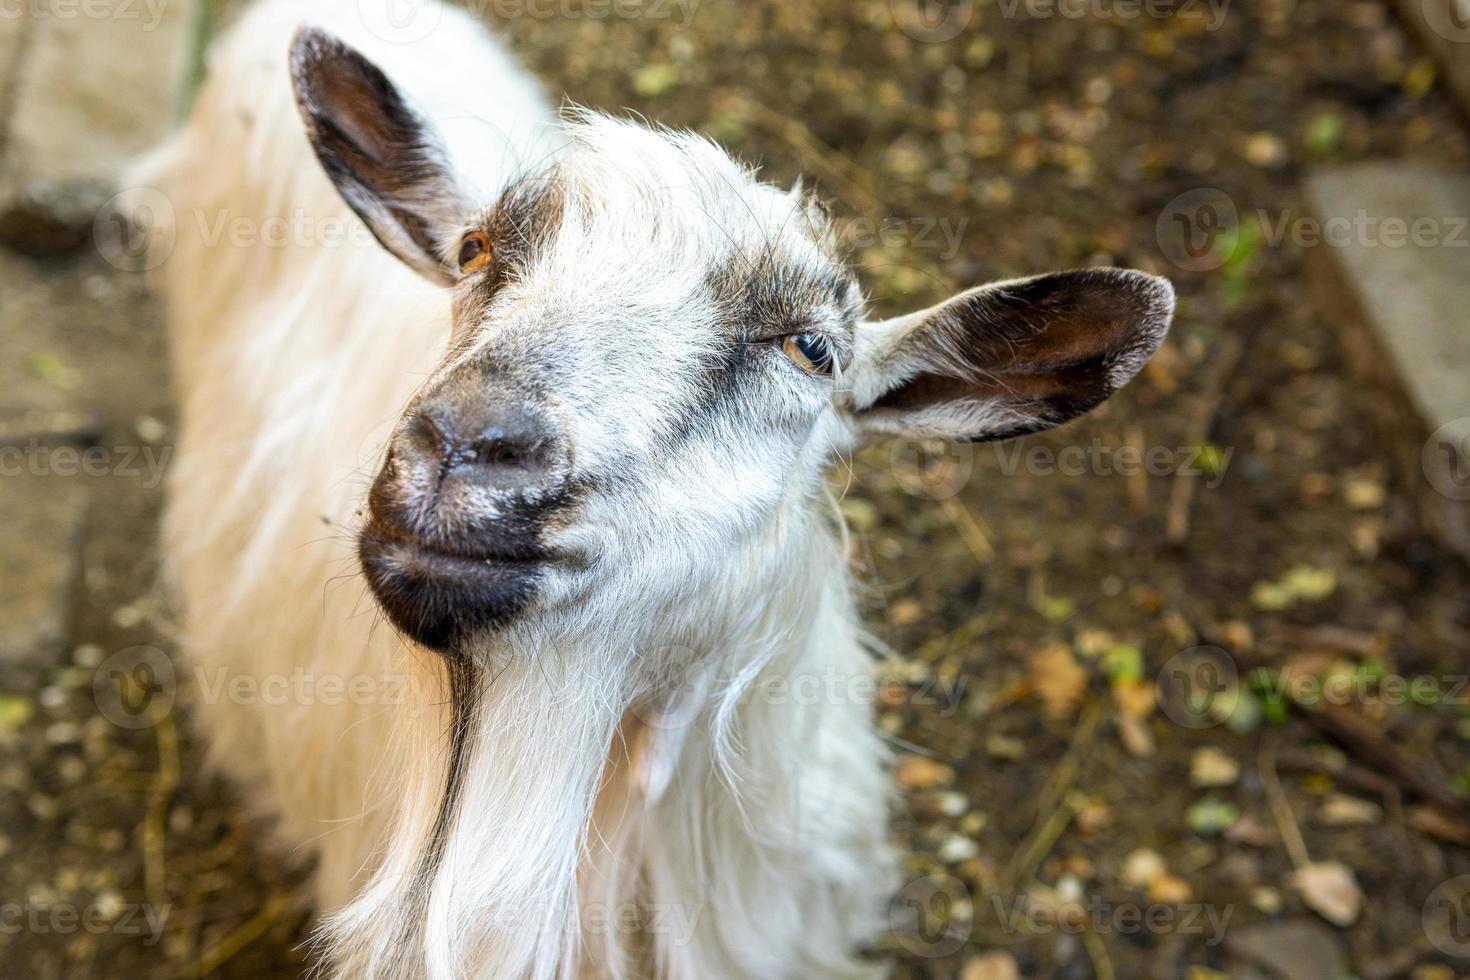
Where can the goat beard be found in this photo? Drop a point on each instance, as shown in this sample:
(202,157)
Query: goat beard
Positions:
(479,877)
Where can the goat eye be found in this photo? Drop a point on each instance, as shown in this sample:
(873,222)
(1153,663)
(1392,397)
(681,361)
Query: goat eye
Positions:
(809,351)
(474,252)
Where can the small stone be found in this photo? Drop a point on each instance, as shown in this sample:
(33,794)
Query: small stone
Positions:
(1432,971)
(1265,150)
(1265,900)
(1251,832)
(917,772)
(956,848)
(1093,817)
(1363,494)
(973,822)
(63,733)
(991,966)
(1169,890)
(71,769)
(87,655)
(1329,889)
(953,804)
(1238,635)
(1142,868)
(1210,768)
(1004,747)
(1341,810)
(1211,816)
(150,429)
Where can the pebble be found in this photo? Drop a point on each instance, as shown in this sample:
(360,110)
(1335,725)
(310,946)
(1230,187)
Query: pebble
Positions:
(1210,767)
(917,772)
(150,429)
(1169,890)
(991,966)
(1142,867)
(1341,810)
(1265,150)
(956,848)
(1265,900)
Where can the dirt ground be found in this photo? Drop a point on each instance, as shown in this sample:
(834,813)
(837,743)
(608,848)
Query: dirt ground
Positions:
(1102,776)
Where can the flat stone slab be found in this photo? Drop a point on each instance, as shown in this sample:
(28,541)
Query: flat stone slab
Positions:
(95,88)
(1394,264)
(1298,949)
(41,523)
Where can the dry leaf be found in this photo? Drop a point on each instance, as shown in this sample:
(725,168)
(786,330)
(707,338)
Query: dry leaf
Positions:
(1137,740)
(991,966)
(1341,810)
(1431,821)
(916,772)
(1210,767)
(1057,679)
(1136,697)
(1329,889)
(1169,890)
(1251,832)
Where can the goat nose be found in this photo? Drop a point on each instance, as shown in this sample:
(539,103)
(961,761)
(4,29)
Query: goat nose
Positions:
(482,442)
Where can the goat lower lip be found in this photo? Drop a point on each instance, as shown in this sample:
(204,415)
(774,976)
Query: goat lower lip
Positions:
(423,560)
(442,598)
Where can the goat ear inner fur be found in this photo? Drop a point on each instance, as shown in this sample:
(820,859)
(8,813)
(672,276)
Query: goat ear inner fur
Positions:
(1009,358)
(385,159)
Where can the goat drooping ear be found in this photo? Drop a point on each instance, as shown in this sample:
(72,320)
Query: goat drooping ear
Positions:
(388,162)
(1009,358)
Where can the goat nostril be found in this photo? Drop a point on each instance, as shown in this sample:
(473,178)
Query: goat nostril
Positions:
(430,434)
(502,452)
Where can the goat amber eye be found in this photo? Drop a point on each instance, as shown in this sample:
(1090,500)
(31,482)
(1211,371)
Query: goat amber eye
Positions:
(810,352)
(474,252)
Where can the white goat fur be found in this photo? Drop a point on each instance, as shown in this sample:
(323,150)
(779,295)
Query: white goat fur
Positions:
(751,832)
(669,766)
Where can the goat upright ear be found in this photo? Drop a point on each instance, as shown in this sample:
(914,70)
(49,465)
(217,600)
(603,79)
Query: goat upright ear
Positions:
(387,161)
(1009,358)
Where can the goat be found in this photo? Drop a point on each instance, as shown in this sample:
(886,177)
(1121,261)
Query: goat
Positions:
(566,415)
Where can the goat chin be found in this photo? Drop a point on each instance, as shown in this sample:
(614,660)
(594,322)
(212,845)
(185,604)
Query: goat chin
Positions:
(526,815)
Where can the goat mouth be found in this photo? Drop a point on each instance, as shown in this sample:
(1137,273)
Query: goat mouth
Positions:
(440,598)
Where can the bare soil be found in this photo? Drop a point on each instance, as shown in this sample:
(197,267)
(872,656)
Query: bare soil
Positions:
(1031,606)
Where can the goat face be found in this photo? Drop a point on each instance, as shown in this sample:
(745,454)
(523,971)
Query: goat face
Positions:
(654,358)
